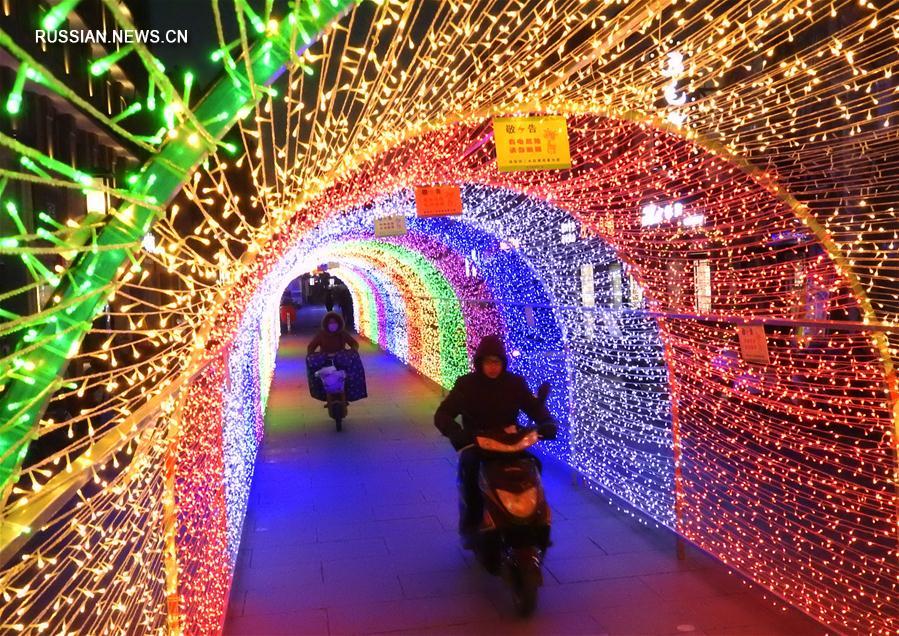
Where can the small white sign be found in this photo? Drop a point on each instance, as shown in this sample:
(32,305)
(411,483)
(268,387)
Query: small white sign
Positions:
(390,226)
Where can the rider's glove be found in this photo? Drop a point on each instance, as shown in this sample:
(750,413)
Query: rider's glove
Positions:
(548,429)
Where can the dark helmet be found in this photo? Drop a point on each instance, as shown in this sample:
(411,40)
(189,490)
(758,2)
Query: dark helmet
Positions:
(332,315)
(490,346)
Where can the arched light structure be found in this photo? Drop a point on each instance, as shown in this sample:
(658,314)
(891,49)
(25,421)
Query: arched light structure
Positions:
(716,397)
(770,200)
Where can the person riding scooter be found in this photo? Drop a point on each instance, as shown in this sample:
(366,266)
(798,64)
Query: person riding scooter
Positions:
(489,400)
(335,375)
(332,337)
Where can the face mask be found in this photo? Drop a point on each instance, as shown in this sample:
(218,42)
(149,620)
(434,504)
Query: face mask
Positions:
(332,327)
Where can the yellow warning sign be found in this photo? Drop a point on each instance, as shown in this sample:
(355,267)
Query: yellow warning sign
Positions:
(531,143)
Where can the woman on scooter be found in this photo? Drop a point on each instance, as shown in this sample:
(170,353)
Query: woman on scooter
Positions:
(332,337)
(489,400)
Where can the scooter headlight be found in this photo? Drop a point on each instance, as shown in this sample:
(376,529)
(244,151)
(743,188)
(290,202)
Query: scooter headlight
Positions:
(520,504)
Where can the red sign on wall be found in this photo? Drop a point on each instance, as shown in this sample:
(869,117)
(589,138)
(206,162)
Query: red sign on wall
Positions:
(753,344)
(438,200)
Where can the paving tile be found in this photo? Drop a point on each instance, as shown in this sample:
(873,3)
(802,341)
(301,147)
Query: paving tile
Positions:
(610,566)
(692,585)
(409,614)
(284,556)
(406,561)
(362,587)
(347,514)
(571,545)
(345,528)
(540,624)
(444,583)
(396,496)
(385,512)
(573,597)
(351,549)
(279,576)
(281,533)
(284,600)
(783,627)
(438,491)
(313,622)
(409,529)
(425,542)
(750,611)
(616,538)
(236,602)
(637,619)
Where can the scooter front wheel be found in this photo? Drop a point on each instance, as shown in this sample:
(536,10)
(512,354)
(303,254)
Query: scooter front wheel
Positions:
(524,592)
(525,577)
(337,410)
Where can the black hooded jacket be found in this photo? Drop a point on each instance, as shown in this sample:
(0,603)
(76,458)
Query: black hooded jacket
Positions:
(485,404)
(332,342)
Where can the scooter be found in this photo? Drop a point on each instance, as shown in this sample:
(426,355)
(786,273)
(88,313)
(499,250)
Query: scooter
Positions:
(334,380)
(514,533)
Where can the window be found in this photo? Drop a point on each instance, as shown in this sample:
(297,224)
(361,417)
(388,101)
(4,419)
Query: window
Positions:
(811,302)
(588,298)
(97,202)
(588,290)
(568,230)
(616,284)
(676,283)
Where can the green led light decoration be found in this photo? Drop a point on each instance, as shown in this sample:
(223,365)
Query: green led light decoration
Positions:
(58,14)
(105,63)
(53,336)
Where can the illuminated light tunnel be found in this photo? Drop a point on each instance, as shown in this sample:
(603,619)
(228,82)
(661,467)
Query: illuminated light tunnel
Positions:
(783,470)
(729,422)
(434,323)
(612,358)
(480,318)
